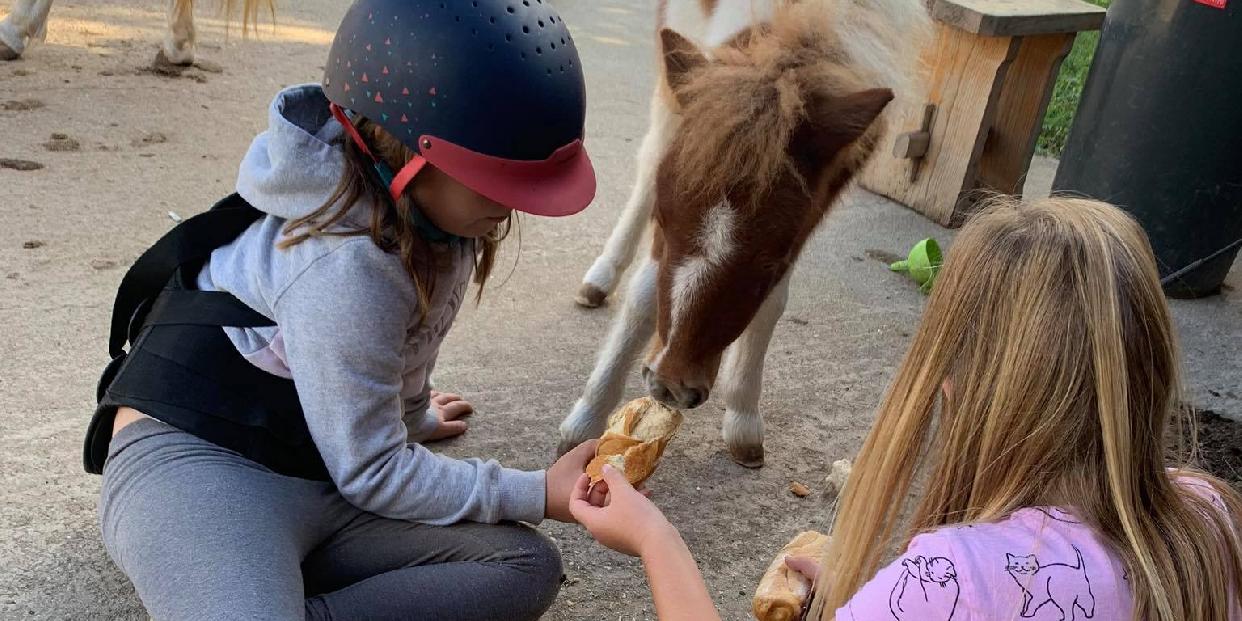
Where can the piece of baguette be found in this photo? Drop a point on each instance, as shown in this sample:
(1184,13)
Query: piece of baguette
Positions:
(782,592)
(636,436)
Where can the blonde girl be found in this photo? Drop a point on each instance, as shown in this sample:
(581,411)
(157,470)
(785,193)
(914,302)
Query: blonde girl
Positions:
(1033,408)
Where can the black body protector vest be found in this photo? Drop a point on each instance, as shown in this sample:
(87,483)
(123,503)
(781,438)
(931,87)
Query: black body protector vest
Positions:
(182,369)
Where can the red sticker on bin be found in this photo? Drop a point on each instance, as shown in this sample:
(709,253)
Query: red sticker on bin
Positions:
(1216,4)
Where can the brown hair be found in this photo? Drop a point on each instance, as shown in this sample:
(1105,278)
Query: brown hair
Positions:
(390,227)
(1049,325)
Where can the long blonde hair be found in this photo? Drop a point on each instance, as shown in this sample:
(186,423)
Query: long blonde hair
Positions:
(1050,329)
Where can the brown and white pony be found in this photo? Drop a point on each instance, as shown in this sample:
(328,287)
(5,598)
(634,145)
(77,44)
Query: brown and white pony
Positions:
(763,112)
(28,21)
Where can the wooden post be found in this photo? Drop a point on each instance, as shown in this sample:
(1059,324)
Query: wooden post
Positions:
(988,76)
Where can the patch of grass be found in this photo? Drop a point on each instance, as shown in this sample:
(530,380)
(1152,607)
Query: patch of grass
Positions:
(1068,88)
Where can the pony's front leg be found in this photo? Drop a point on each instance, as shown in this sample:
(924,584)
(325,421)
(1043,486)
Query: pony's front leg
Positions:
(179,41)
(742,380)
(600,281)
(630,333)
(27,20)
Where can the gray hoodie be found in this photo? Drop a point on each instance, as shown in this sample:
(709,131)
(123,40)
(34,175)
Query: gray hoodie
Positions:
(348,333)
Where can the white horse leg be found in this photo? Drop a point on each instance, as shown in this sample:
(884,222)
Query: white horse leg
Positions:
(601,280)
(630,333)
(742,380)
(179,41)
(27,20)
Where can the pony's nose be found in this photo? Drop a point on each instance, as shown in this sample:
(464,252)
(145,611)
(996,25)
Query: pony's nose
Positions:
(672,394)
(693,398)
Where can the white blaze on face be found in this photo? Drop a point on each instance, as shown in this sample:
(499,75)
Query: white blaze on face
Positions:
(716,232)
(716,242)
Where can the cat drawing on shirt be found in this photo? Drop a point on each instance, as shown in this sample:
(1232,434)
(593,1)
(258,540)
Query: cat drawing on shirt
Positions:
(1066,587)
(926,591)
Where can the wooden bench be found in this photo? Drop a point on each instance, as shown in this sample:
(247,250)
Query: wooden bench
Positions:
(988,75)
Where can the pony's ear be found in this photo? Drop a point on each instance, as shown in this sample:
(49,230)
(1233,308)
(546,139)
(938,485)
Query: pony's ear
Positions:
(681,57)
(834,123)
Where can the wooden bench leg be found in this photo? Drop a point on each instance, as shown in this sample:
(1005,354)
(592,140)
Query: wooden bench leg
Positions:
(1020,112)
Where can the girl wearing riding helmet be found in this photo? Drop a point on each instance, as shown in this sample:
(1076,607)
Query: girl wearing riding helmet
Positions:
(1033,410)
(260,440)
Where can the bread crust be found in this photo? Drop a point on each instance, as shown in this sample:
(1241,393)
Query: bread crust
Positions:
(636,436)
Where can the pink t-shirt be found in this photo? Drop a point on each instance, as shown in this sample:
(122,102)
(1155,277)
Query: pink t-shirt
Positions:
(1040,563)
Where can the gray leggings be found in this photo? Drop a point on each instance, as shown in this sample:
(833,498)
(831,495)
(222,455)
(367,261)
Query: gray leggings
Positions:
(204,533)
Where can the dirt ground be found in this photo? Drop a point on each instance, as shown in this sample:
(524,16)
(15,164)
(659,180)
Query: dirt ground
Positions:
(1220,446)
(95,151)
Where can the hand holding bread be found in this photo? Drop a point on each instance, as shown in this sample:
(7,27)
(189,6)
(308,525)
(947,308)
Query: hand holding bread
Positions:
(628,523)
(560,478)
(783,591)
(625,456)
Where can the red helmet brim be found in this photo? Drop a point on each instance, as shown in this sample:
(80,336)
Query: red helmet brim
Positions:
(562,185)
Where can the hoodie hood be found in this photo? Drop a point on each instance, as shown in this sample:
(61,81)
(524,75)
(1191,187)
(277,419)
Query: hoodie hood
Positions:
(293,167)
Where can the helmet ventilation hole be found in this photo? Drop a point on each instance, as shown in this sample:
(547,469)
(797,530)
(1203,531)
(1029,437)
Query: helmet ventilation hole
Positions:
(538,50)
(525,29)
(508,37)
(510,9)
(553,46)
(541,23)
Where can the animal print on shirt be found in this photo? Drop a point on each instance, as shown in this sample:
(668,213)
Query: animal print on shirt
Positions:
(1066,587)
(926,591)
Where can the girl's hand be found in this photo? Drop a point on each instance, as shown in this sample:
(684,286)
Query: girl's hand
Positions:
(805,565)
(627,522)
(561,477)
(449,408)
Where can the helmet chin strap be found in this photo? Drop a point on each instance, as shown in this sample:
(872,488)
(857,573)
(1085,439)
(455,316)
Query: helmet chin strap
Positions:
(398,182)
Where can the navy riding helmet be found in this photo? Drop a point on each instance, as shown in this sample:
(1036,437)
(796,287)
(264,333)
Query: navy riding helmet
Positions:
(488,91)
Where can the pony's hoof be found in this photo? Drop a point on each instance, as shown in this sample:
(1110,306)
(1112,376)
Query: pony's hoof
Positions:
(7,53)
(590,296)
(748,456)
(163,65)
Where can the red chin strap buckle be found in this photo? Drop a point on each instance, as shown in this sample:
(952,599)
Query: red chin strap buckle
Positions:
(396,183)
(404,176)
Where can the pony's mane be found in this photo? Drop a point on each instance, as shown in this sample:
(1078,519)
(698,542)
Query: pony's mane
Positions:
(740,111)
